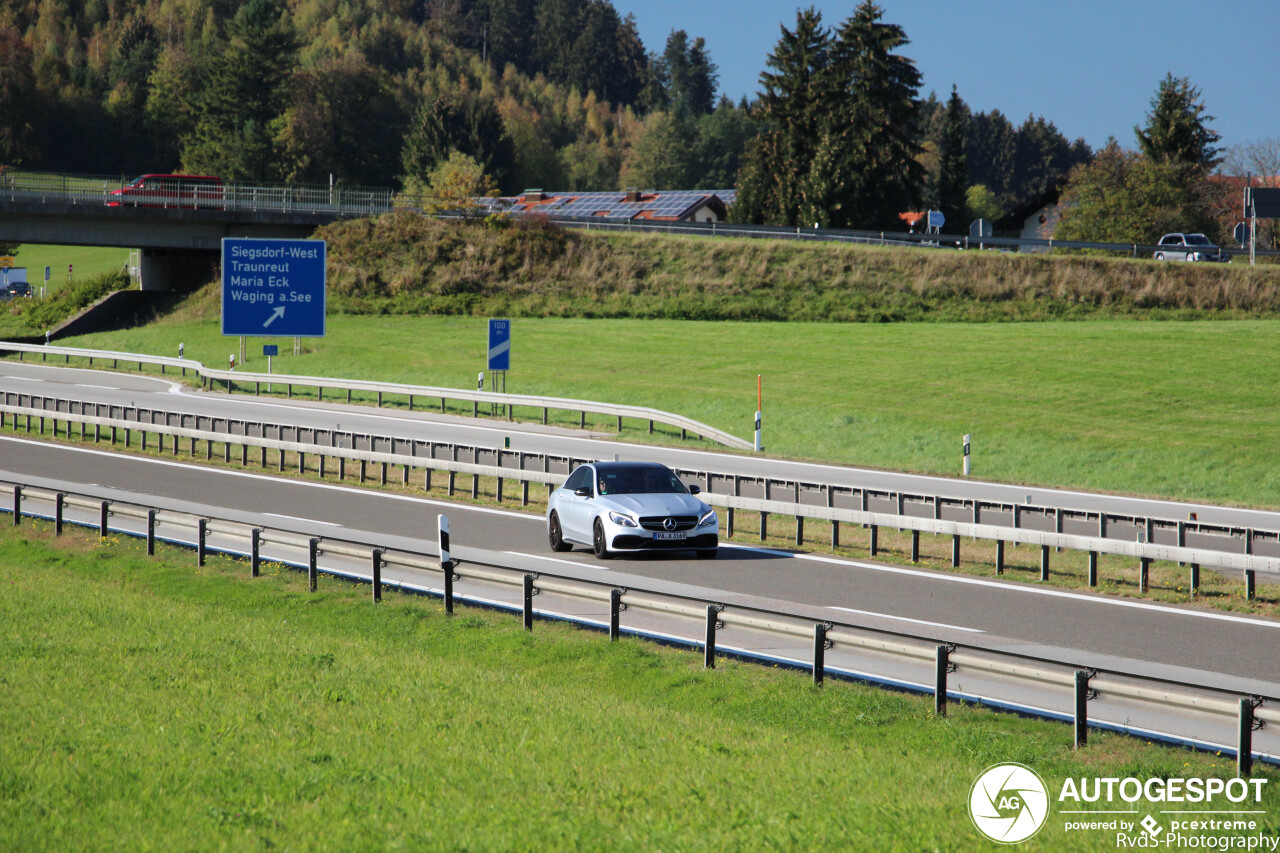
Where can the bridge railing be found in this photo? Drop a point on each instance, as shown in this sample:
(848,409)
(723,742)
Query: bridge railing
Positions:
(189,193)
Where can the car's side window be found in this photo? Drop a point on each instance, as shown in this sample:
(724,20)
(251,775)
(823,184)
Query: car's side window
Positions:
(579,478)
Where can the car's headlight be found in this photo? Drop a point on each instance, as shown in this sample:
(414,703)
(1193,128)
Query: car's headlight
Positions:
(623,520)
(708,519)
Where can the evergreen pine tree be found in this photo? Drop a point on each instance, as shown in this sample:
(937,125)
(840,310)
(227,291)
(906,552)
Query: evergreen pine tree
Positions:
(792,104)
(872,121)
(244,91)
(1177,129)
(953,166)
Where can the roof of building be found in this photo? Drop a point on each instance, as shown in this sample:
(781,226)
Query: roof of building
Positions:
(665,205)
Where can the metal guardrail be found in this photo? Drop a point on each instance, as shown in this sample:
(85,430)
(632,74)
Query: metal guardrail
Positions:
(1145,552)
(231,378)
(907,652)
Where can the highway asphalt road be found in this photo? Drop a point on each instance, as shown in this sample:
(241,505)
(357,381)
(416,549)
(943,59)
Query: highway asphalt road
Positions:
(134,390)
(1189,644)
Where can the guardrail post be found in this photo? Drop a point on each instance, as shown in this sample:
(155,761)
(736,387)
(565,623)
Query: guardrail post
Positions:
(1082,695)
(202,530)
(499,490)
(313,550)
(102,519)
(942,667)
(955,551)
(342,468)
(1250,584)
(1017,516)
(1093,568)
(820,646)
(1144,574)
(799,529)
(528,602)
(874,540)
(1195,579)
(17,505)
(524,493)
(615,608)
(377,574)
(59,501)
(151,533)
(281,460)
(364,468)
(452,478)
(302,463)
(915,546)
(383,478)
(999,556)
(764,516)
(709,641)
(1044,562)
(1244,746)
(255,558)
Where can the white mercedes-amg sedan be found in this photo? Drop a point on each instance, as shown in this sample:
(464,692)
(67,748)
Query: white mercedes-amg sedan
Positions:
(613,507)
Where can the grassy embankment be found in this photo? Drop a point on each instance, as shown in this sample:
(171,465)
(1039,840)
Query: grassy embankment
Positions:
(155,706)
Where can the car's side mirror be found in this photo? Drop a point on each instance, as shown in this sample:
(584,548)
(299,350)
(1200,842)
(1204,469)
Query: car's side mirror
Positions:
(583,492)
(695,490)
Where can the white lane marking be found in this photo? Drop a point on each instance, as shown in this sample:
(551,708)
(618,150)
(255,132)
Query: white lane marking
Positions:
(331,486)
(25,379)
(905,619)
(1027,589)
(305,520)
(557,560)
(102,387)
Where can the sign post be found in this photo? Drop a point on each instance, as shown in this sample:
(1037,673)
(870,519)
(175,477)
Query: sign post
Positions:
(269,350)
(273,288)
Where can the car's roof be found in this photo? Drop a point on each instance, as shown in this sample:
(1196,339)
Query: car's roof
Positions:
(628,466)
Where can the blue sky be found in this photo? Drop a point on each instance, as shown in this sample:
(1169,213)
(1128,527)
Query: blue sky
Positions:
(1090,67)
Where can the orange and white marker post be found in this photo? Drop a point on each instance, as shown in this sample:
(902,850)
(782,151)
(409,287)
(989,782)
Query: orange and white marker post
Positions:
(759,408)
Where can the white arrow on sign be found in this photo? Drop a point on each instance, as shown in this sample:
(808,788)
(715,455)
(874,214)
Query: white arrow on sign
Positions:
(279,312)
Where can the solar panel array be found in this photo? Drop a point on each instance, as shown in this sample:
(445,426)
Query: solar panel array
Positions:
(614,205)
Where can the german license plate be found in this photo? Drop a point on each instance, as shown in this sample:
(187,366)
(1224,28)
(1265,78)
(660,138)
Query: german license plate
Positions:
(669,537)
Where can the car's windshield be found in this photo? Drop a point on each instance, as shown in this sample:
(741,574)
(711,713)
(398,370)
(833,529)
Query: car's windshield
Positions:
(1198,240)
(639,481)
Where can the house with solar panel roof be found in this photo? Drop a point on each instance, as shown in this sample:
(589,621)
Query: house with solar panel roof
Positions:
(620,206)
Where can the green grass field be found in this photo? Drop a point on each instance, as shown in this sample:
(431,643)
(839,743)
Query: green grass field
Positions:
(150,705)
(1179,409)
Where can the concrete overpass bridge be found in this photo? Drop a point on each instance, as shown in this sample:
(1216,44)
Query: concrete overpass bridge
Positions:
(177,224)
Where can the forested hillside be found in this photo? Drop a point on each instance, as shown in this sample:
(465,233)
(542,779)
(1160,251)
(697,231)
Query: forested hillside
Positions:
(560,94)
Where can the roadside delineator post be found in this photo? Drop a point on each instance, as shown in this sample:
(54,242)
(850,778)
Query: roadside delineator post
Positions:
(1083,693)
(446,560)
(759,408)
(966,454)
(709,643)
(942,667)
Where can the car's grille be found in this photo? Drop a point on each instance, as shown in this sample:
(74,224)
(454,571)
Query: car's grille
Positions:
(655,522)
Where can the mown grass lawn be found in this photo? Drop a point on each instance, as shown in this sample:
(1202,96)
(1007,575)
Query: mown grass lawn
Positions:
(1174,409)
(149,705)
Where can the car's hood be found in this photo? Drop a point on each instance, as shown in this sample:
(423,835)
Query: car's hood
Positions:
(665,504)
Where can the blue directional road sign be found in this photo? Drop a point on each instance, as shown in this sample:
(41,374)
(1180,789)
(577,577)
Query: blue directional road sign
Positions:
(271,349)
(273,287)
(499,344)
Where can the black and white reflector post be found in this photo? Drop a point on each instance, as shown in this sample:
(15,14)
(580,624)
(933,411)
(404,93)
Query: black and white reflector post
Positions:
(446,562)
(966,454)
